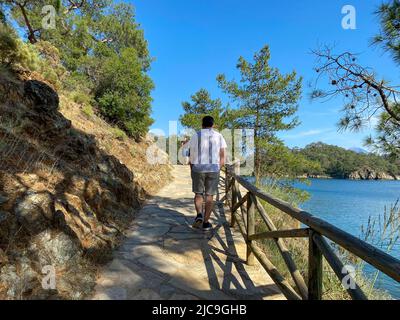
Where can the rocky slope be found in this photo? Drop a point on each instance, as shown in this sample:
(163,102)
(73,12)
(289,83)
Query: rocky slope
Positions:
(68,189)
(362,174)
(370,174)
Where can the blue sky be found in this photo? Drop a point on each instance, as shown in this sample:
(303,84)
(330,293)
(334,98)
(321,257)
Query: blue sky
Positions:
(194,40)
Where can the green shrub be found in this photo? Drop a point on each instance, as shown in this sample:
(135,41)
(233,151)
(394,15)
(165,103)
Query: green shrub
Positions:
(82,98)
(42,57)
(50,65)
(123,93)
(14,53)
(88,110)
(76,82)
(119,134)
(8,46)
(29,57)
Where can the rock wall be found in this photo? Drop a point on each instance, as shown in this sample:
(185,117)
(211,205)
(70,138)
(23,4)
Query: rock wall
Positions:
(64,201)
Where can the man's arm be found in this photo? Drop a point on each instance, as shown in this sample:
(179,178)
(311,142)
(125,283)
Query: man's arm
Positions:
(186,153)
(191,149)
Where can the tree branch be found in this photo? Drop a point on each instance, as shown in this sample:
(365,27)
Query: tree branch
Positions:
(355,82)
(74,5)
(31,33)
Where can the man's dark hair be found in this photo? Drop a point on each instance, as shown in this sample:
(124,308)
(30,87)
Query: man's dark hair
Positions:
(208,122)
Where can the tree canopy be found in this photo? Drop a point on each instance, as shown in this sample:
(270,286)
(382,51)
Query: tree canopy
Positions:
(267,100)
(389,36)
(104,51)
(338,162)
(201,105)
(367,97)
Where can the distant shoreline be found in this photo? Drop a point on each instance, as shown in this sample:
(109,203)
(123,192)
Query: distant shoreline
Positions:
(350,179)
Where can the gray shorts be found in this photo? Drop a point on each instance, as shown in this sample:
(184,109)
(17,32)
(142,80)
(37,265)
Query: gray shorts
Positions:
(205,182)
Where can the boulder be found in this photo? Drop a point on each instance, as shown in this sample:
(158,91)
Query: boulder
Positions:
(10,279)
(112,165)
(77,283)
(47,126)
(384,176)
(77,148)
(28,277)
(54,248)
(35,211)
(369,174)
(42,96)
(20,278)
(92,195)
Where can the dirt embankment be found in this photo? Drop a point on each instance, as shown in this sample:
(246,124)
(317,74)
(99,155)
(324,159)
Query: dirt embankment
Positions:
(69,186)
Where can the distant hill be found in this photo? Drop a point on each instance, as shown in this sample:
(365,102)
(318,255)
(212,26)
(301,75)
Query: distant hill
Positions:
(337,162)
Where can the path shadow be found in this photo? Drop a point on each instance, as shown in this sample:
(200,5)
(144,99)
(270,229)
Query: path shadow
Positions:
(226,272)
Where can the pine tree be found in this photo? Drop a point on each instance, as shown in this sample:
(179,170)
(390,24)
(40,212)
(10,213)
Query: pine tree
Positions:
(103,49)
(267,100)
(202,105)
(389,37)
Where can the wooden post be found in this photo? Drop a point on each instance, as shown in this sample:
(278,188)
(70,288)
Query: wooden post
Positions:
(355,293)
(233,202)
(314,270)
(251,228)
(235,188)
(227,189)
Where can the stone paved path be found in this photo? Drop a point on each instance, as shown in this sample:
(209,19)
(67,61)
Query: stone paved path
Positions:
(164,258)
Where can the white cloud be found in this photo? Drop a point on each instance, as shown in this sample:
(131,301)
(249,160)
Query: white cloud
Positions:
(307,133)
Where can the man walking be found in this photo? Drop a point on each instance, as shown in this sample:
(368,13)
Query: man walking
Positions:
(207,150)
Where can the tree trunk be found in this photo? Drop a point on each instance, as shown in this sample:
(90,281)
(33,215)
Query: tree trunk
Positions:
(257,155)
(257,165)
(31,33)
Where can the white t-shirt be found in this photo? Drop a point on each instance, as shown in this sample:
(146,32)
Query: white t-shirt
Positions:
(205,147)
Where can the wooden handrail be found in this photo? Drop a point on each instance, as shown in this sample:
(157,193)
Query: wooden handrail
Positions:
(295,233)
(317,229)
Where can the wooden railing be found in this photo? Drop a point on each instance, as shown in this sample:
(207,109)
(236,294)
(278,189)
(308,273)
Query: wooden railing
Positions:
(316,231)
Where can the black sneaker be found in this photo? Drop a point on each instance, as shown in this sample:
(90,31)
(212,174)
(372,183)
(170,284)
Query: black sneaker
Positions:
(198,221)
(207,226)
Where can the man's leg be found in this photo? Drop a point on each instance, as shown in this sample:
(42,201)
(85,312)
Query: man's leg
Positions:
(209,207)
(198,203)
(211,187)
(198,189)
